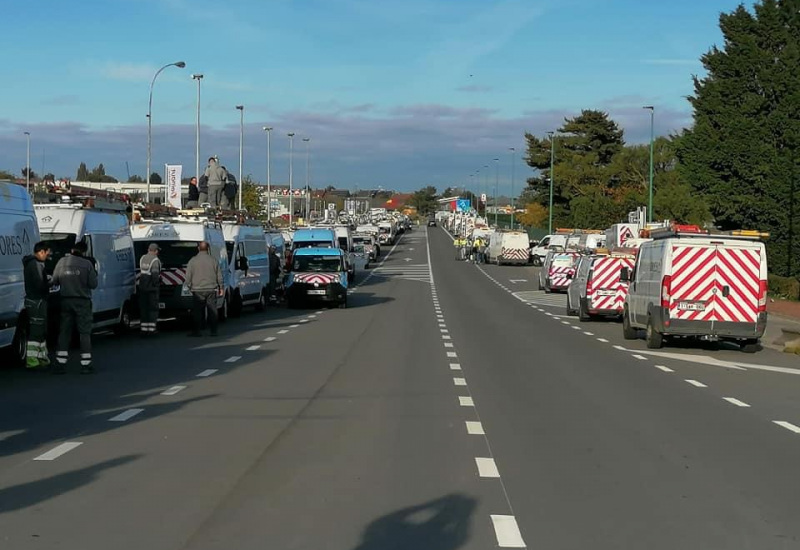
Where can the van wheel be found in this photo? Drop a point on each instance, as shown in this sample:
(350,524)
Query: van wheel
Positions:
(236,305)
(537,260)
(124,325)
(628,332)
(17,353)
(571,312)
(583,314)
(654,339)
(750,346)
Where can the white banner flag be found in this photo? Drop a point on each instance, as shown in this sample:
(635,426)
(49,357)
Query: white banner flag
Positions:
(174,172)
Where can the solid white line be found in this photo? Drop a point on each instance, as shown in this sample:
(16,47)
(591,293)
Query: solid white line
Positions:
(173,390)
(696,384)
(487,467)
(284,331)
(788,425)
(665,369)
(56,452)
(253,348)
(207,372)
(639,357)
(127,415)
(270,339)
(475,428)
(620,348)
(233,359)
(451,354)
(465,401)
(455,366)
(460,381)
(507,532)
(448,345)
(734,401)
(589,333)
(602,340)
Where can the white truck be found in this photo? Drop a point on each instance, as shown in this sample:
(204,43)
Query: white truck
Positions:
(106,233)
(248,264)
(18,234)
(688,282)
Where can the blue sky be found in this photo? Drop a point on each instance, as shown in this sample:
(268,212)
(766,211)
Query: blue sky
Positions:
(397,94)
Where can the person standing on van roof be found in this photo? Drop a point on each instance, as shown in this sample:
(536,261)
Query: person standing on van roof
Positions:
(77,276)
(147,287)
(37,290)
(204,281)
(193,198)
(202,188)
(229,191)
(216,175)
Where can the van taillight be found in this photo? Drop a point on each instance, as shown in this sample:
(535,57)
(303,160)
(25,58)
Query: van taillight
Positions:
(666,282)
(762,296)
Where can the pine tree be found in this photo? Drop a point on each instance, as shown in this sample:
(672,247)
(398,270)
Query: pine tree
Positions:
(83,173)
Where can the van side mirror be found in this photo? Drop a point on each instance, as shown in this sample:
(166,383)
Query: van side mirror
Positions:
(625,275)
(243,264)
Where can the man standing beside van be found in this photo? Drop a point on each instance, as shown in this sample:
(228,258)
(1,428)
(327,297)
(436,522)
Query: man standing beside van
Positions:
(37,290)
(204,281)
(147,286)
(216,175)
(77,276)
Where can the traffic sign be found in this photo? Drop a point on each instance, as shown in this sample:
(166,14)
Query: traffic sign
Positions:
(483,198)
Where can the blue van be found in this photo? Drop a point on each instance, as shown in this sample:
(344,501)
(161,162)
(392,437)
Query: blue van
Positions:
(317,274)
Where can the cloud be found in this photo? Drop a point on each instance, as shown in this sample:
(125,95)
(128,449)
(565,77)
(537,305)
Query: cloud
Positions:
(475,88)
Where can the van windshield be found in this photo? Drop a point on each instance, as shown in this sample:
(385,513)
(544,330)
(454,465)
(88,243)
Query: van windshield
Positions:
(311,244)
(173,254)
(60,245)
(563,261)
(317,264)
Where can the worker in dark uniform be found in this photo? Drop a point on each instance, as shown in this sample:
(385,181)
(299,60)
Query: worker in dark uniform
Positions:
(37,290)
(147,287)
(77,276)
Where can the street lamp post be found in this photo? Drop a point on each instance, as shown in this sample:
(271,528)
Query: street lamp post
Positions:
(180,65)
(28,163)
(198,77)
(486,188)
(652,110)
(552,179)
(496,183)
(291,192)
(308,146)
(513,198)
(268,130)
(240,108)
(471,187)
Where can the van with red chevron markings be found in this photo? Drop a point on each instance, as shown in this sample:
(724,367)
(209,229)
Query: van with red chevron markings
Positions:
(688,282)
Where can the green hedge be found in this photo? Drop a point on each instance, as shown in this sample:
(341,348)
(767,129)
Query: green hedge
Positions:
(784,287)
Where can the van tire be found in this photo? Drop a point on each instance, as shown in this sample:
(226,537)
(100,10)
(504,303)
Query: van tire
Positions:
(536,260)
(583,314)
(17,352)
(654,339)
(571,312)
(236,305)
(750,346)
(124,325)
(628,332)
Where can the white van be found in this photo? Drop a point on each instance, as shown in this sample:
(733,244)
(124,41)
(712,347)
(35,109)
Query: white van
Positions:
(276,239)
(108,238)
(18,234)
(690,283)
(178,241)
(539,252)
(596,289)
(508,247)
(248,264)
(590,241)
(355,262)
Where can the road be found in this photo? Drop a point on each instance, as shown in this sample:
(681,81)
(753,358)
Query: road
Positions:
(450,406)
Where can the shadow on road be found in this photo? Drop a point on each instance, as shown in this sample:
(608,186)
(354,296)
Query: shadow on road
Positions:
(25,495)
(441,524)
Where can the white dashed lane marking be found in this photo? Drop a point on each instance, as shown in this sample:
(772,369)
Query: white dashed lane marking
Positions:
(788,425)
(665,369)
(127,415)
(459,381)
(620,348)
(233,359)
(640,357)
(253,348)
(452,354)
(465,401)
(448,345)
(173,390)
(62,449)
(207,372)
(455,366)
(507,532)
(734,401)
(487,467)
(293,326)
(270,339)
(602,340)
(696,384)
(475,428)
(284,331)
(589,333)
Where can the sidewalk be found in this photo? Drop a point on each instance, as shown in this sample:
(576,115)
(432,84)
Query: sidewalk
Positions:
(783,314)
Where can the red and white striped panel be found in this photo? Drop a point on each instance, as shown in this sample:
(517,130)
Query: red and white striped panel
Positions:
(319,278)
(515,254)
(605,277)
(173,277)
(700,274)
(558,276)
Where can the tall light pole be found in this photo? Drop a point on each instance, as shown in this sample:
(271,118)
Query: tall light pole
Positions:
(486,187)
(28,164)
(308,147)
(652,110)
(291,192)
(513,198)
(552,179)
(470,186)
(180,65)
(268,130)
(240,108)
(198,77)
(496,183)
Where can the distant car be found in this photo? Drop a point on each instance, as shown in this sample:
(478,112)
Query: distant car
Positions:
(431,222)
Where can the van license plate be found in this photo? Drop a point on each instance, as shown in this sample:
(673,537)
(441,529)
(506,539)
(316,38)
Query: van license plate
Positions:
(317,292)
(606,292)
(691,306)
(161,305)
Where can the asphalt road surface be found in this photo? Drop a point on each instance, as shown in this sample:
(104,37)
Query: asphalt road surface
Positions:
(450,406)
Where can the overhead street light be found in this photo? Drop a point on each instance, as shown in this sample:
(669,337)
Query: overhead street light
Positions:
(240,108)
(513,197)
(268,130)
(496,183)
(552,179)
(180,65)
(198,77)
(652,110)
(28,164)
(308,194)
(291,200)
